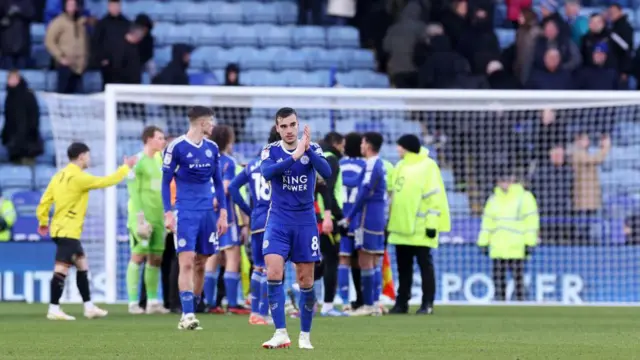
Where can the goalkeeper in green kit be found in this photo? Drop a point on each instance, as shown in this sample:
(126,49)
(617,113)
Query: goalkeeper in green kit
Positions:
(146,222)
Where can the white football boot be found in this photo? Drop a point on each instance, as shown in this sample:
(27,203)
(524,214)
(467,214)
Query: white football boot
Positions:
(304,341)
(280,340)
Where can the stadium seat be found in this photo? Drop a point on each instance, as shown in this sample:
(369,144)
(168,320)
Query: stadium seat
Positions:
(209,35)
(298,78)
(623,157)
(200,56)
(367,125)
(459,203)
(343,37)
(92,82)
(36,79)
(162,56)
(287,12)
(326,59)
(275,35)
(220,58)
(263,78)
(181,34)
(363,79)
(40,56)
(15,176)
(261,59)
(38,32)
(46,131)
(227,13)
(506,37)
(161,33)
(346,125)
(43,174)
(189,12)
(290,60)
(241,35)
(256,127)
(130,128)
(123,201)
(626,133)
(361,59)
(319,127)
(49,155)
(309,36)
(447,178)
(255,12)
(160,11)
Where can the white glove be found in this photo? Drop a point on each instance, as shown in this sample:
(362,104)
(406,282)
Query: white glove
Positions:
(144,228)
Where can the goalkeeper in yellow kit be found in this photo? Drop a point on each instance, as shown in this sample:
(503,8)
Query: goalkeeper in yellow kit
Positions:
(146,222)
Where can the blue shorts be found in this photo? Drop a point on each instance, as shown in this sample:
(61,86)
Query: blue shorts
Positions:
(230,238)
(298,243)
(347,246)
(256,249)
(371,242)
(196,231)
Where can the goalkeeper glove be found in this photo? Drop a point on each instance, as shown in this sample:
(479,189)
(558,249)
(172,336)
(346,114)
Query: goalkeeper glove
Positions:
(144,228)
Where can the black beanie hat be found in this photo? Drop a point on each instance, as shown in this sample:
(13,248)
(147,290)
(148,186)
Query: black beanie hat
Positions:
(410,143)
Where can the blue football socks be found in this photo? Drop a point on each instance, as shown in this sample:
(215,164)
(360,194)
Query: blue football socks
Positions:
(377,284)
(186,298)
(231,280)
(306,305)
(343,283)
(367,286)
(210,278)
(276,303)
(264,295)
(256,288)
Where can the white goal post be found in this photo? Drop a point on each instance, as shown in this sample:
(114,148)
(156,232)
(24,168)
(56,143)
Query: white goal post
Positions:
(586,255)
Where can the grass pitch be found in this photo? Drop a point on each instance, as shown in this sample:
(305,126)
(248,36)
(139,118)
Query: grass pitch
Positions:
(453,333)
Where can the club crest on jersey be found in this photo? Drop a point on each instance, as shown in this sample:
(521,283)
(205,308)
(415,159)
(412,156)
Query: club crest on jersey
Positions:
(304,159)
(319,152)
(208,153)
(182,242)
(265,154)
(265,244)
(167,159)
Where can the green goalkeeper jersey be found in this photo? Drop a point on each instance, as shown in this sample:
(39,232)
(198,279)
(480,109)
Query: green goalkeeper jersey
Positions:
(145,190)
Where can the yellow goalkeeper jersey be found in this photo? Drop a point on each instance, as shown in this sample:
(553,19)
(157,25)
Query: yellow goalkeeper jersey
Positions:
(68,191)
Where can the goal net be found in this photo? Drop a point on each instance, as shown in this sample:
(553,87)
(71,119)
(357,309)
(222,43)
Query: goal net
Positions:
(577,152)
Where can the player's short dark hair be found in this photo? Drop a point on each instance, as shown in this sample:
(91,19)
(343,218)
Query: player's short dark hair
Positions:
(352,143)
(197,112)
(222,135)
(285,112)
(273,135)
(616,5)
(149,132)
(374,139)
(76,149)
(332,138)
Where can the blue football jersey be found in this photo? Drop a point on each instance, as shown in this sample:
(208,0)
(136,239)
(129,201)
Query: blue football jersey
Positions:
(260,194)
(351,169)
(228,168)
(292,192)
(195,167)
(372,189)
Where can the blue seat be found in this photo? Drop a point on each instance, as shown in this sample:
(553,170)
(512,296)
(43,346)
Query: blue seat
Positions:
(363,79)
(38,32)
(92,82)
(263,78)
(506,37)
(361,59)
(287,12)
(209,35)
(298,78)
(256,127)
(261,59)
(26,202)
(128,147)
(448,179)
(343,37)
(459,203)
(625,157)
(36,79)
(626,133)
(227,13)
(49,155)
(241,35)
(159,11)
(46,130)
(40,56)
(123,201)
(195,12)
(43,174)
(275,35)
(324,59)
(201,55)
(499,15)
(162,56)
(255,12)
(309,36)
(290,60)
(199,78)
(15,176)
(181,34)
(130,128)
(161,32)
(220,59)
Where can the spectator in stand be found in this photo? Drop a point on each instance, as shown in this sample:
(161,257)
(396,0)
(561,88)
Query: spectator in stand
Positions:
(553,38)
(596,35)
(479,43)
(124,61)
(66,41)
(454,21)
(622,40)
(231,116)
(340,10)
(552,77)
(54,8)
(146,45)
(596,75)
(400,42)
(549,132)
(175,73)
(232,75)
(578,24)
(551,184)
(107,40)
(7,218)
(632,229)
(15,33)
(549,11)
(587,194)
(499,78)
(442,67)
(21,131)
(310,6)
(515,9)
(526,38)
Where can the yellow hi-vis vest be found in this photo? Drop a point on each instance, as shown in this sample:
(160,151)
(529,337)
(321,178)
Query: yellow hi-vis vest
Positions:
(8,212)
(337,190)
(419,202)
(510,223)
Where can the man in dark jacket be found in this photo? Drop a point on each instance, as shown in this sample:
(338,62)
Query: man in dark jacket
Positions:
(597,76)
(15,32)
(21,132)
(597,34)
(479,43)
(442,67)
(147,43)
(124,63)
(454,21)
(175,73)
(499,78)
(549,10)
(622,38)
(107,40)
(552,77)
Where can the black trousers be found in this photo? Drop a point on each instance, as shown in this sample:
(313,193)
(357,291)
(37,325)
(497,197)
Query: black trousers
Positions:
(500,269)
(169,273)
(405,80)
(404,258)
(68,81)
(330,262)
